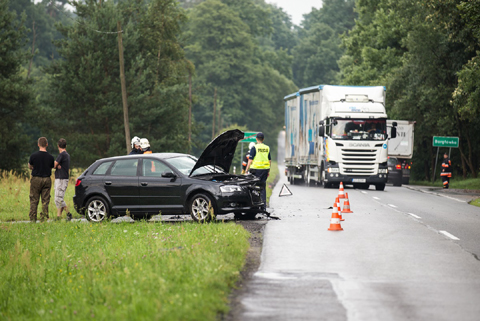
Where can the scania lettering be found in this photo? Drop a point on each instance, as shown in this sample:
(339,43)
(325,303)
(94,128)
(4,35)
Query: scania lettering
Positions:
(337,134)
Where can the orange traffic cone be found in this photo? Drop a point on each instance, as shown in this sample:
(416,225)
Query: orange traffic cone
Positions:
(341,192)
(346,205)
(339,210)
(335,220)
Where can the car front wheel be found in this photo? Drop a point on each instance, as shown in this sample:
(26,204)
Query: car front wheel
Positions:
(200,207)
(97,209)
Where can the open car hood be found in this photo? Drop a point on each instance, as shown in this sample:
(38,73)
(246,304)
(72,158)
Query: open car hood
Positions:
(220,151)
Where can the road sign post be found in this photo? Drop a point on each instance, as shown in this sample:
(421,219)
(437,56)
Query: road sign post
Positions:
(441,141)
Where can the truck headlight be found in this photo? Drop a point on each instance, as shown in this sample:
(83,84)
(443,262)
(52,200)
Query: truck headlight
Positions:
(383,170)
(334,170)
(230,189)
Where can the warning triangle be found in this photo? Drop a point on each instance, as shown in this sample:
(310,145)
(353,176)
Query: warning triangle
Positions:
(285,191)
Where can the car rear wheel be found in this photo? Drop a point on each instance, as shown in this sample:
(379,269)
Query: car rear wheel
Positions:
(97,209)
(200,207)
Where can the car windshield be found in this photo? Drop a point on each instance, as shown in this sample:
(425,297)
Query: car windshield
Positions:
(184,164)
(358,129)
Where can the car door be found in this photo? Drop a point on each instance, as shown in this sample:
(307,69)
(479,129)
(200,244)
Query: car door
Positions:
(159,193)
(121,184)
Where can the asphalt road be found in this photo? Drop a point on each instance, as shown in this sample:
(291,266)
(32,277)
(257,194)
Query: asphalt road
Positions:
(404,254)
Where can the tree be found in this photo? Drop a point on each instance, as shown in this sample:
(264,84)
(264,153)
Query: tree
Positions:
(249,90)
(85,86)
(15,95)
(319,44)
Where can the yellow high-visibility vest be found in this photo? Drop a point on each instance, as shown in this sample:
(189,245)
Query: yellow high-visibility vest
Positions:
(261,157)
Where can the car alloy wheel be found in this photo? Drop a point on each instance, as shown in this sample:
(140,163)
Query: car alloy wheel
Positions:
(199,208)
(97,209)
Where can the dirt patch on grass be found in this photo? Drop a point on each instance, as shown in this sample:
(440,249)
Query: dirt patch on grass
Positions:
(252,263)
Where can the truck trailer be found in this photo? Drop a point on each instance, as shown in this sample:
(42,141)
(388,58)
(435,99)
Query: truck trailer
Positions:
(401,148)
(337,134)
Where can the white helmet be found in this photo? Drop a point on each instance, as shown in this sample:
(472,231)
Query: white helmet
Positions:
(250,146)
(135,141)
(144,143)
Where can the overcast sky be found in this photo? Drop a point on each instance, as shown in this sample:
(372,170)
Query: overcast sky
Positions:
(297,8)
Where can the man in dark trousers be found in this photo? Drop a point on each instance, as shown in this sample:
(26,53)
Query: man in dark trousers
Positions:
(41,164)
(62,166)
(246,158)
(260,162)
(446,170)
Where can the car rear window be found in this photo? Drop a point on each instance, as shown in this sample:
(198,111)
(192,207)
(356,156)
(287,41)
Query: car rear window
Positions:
(102,169)
(125,167)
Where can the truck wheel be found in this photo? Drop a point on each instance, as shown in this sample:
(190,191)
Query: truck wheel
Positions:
(397,182)
(380,187)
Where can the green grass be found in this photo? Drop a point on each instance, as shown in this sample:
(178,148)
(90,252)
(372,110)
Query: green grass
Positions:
(143,271)
(271,178)
(14,195)
(456,183)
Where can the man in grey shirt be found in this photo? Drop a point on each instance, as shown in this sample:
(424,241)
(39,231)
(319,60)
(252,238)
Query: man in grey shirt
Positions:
(62,166)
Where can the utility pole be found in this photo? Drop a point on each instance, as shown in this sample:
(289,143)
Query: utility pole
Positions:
(124,88)
(33,50)
(190,111)
(214,112)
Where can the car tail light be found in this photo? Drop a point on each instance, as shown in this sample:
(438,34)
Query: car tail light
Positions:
(78,182)
(398,166)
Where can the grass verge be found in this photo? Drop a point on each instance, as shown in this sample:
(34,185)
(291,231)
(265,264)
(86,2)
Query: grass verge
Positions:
(271,180)
(143,271)
(14,195)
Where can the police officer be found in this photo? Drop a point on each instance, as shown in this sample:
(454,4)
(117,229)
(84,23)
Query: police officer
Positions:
(446,173)
(136,146)
(260,162)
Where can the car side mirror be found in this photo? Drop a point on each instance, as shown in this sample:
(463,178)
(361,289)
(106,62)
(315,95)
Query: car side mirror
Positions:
(168,174)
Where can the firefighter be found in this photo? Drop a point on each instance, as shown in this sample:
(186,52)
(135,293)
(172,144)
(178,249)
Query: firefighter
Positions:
(260,162)
(446,170)
(246,158)
(136,146)
(145,145)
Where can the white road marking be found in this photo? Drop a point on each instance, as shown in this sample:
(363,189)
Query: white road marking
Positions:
(391,205)
(364,192)
(377,198)
(416,216)
(453,237)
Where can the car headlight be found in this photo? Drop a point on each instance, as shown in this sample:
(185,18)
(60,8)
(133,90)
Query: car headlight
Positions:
(383,170)
(334,170)
(230,189)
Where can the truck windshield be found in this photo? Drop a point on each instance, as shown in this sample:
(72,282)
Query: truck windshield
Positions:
(358,129)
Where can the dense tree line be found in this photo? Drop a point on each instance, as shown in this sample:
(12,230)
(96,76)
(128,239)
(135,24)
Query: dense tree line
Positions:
(60,70)
(426,53)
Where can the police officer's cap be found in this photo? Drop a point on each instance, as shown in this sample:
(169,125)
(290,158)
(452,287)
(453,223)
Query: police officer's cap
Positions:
(260,135)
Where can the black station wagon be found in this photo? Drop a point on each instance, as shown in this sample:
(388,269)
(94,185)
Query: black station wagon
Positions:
(169,183)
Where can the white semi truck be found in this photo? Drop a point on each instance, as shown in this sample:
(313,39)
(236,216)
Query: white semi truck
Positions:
(337,134)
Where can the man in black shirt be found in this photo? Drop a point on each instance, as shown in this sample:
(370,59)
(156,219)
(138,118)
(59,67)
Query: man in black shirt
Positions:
(41,164)
(62,165)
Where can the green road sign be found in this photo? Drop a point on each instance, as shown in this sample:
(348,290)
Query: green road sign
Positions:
(439,141)
(249,139)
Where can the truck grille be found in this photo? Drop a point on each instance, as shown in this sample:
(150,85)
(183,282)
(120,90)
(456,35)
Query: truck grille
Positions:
(358,161)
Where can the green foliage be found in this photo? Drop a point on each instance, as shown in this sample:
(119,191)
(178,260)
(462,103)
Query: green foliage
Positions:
(15,90)
(60,271)
(85,86)
(226,57)
(319,45)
